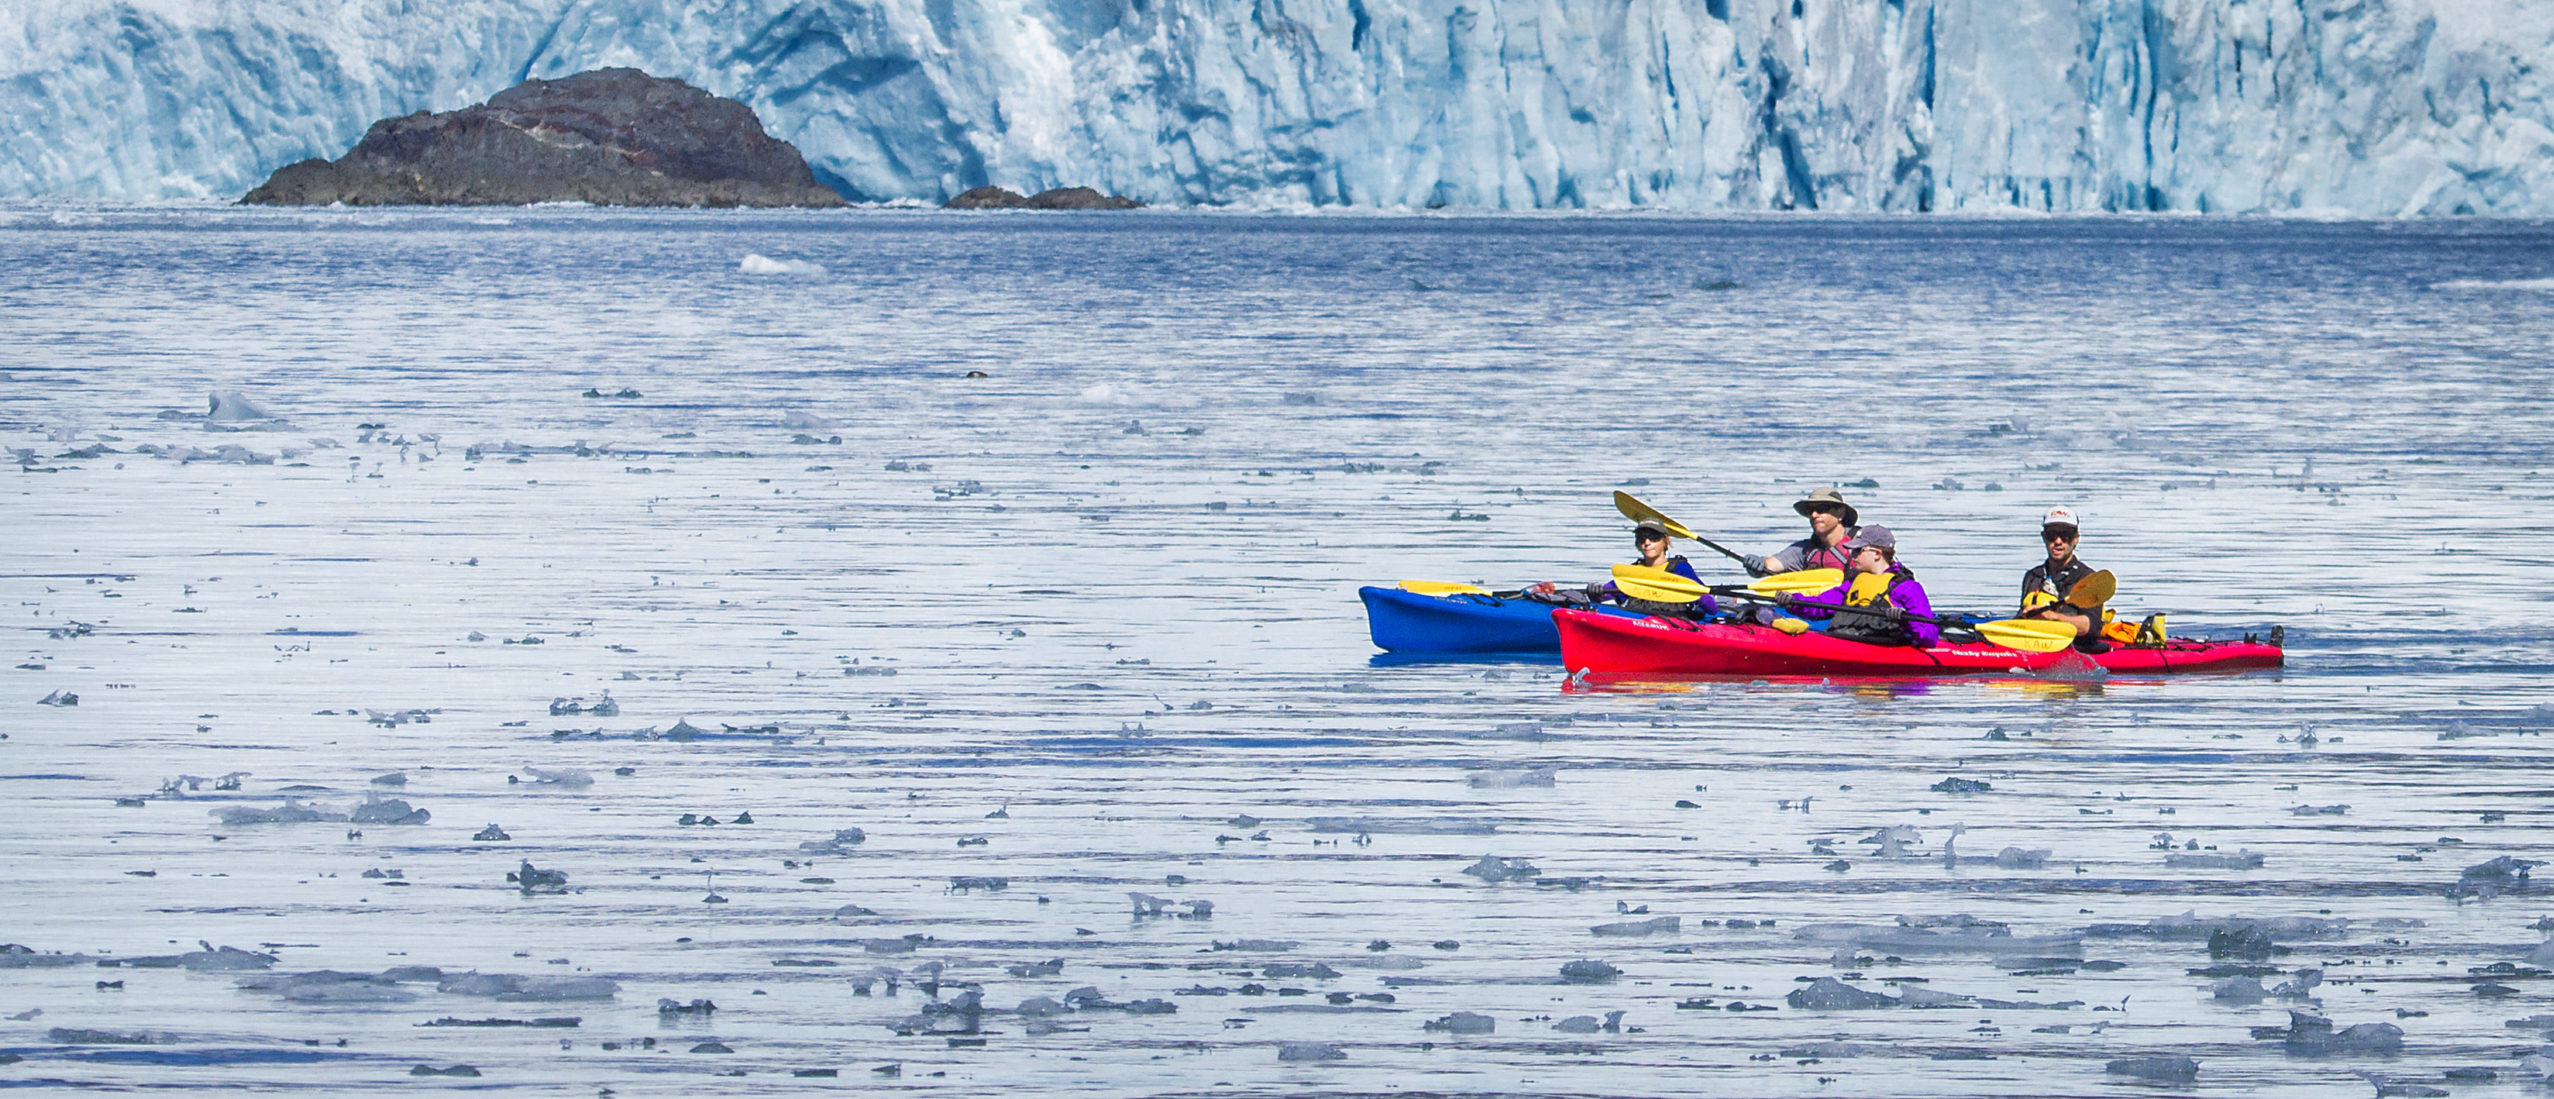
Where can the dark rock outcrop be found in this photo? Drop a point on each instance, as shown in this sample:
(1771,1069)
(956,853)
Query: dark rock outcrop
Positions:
(1053,198)
(612,137)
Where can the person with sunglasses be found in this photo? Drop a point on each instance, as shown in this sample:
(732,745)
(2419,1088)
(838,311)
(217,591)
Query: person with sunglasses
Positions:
(1880,601)
(1649,540)
(2045,586)
(1831,522)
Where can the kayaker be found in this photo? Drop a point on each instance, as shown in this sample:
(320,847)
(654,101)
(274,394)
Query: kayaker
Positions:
(1875,582)
(2045,586)
(1831,521)
(1649,541)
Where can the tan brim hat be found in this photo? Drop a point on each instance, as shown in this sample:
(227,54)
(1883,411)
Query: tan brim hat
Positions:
(1828,497)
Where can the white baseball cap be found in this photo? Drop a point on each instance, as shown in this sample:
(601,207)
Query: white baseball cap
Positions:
(2060,516)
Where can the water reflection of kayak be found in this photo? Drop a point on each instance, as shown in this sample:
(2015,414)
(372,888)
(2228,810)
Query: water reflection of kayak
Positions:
(1410,622)
(1613,642)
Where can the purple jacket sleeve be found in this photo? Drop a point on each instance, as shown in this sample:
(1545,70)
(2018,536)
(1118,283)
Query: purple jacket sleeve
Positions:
(1907,594)
(1821,605)
(1910,597)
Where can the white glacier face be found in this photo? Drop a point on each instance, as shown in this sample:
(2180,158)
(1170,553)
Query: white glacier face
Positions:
(2371,107)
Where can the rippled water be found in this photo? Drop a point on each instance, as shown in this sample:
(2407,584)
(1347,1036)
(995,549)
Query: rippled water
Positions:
(1096,605)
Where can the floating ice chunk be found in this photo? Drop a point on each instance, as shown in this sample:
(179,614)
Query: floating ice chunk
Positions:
(533,880)
(567,779)
(1920,996)
(1830,994)
(2189,925)
(1310,1051)
(2301,988)
(1509,780)
(2240,860)
(1410,827)
(388,811)
(2486,880)
(794,420)
(291,812)
(2313,1034)
(2251,941)
(1662,925)
(83,1036)
(213,959)
(1977,938)
(559,989)
(1041,1006)
(2241,990)
(1894,841)
(1147,904)
(756,263)
(14,956)
(2172,1069)
(1464,1022)
(323,991)
(231,406)
(1588,971)
(1829,1050)
(2015,858)
(1578,1024)
(1495,869)
(834,845)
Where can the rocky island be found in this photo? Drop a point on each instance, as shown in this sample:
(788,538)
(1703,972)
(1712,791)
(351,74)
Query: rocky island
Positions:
(611,137)
(1053,198)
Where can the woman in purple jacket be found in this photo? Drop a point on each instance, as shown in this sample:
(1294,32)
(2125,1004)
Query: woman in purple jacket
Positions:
(1880,602)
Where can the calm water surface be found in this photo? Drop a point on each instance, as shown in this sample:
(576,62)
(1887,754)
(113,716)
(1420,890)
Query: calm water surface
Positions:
(1086,625)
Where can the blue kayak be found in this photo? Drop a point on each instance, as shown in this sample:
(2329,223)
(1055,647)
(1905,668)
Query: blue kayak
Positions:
(1406,622)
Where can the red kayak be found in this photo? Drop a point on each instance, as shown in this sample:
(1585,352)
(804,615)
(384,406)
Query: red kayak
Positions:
(2190,656)
(1604,644)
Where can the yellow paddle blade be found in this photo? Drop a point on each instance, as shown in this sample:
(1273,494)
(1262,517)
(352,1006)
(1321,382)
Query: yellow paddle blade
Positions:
(1655,585)
(1441,587)
(1804,582)
(1634,510)
(2094,590)
(1658,578)
(2028,634)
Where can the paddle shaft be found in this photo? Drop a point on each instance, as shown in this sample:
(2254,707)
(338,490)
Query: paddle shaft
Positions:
(1885,612)
(1633,507)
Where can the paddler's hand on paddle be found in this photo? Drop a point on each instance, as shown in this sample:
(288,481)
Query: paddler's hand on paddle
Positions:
(1754,565)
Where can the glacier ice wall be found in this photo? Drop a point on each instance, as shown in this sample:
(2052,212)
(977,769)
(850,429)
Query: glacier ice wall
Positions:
(2374,107)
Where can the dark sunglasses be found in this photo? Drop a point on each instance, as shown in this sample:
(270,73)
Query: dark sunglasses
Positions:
(2058,534)
(1648,536)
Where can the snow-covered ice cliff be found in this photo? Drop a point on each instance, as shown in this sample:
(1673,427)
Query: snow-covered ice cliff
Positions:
(2374,107)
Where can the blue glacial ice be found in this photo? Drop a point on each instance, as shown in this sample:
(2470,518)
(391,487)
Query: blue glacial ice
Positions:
(2374,107)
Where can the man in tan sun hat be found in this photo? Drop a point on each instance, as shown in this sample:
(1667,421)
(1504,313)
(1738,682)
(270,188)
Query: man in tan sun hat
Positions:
(1831,522)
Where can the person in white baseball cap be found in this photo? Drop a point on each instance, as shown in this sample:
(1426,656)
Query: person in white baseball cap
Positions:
(2045,586)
